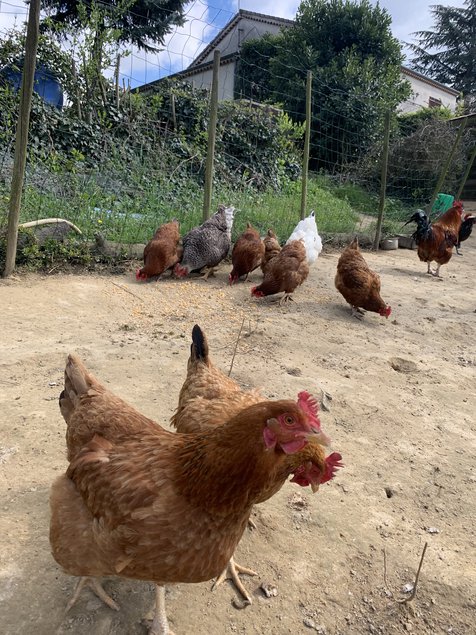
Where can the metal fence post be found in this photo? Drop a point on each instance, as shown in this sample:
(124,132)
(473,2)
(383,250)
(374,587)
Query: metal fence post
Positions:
(466,174)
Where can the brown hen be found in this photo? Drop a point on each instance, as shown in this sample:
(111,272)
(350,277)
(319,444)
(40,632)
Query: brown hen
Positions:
(247,254)
(140,502)
(285,272)
(208,396)
(359,285)
(162,252)
(271,248)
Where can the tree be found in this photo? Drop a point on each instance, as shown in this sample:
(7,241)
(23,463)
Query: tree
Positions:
(447,53)
(356,65)
(137,22)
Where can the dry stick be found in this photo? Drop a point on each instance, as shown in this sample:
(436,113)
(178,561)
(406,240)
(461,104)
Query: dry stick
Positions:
(236,346)
(385,570)
(127,290)
(413,593)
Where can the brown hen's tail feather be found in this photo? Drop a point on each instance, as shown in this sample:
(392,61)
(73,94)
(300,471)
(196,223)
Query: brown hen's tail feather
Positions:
(199,347)
(77,381)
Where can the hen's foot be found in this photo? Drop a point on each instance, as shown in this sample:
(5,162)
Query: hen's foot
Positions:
(97,588)
(209,272)
(231,573)
(285,298)
(156,618)
(357,312)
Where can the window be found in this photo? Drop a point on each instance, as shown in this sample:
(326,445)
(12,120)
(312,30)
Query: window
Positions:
(433,102)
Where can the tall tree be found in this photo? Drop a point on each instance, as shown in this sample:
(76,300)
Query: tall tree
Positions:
(356,65)
(447,52)
(141,23)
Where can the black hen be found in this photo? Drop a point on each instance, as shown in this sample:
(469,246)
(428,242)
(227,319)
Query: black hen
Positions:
(465,230)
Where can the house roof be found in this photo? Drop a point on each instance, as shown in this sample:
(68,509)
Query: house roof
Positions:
(257,17)
(188,72)
(427,80)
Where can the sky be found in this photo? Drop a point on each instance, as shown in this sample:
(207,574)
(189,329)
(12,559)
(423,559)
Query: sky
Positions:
(205,18)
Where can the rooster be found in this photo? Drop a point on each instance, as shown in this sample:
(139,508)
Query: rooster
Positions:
(359,285)
(208,397)
(247,254)
(285,272)
(465,230)
(120,507)
(162,252)
(435,241)
(306,230)
(271,248)
(207,245)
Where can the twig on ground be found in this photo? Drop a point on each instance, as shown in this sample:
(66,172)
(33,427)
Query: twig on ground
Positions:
(413,593)
(236,346)
(127,290)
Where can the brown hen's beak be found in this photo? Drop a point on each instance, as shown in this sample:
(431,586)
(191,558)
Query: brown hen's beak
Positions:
(314,487)
(318,436)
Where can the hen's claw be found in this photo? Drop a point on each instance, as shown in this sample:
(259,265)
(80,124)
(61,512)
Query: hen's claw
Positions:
(97,588)
(357,312)
(231,573)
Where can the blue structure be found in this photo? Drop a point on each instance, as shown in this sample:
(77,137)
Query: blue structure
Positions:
(46,83)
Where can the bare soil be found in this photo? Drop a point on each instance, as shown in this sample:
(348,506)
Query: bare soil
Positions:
(401,414)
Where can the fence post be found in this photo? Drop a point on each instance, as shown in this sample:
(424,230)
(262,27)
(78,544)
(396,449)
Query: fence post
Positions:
(21,138)
(307,143)
(212,130)
(466,174)
(383,180)
(446,167)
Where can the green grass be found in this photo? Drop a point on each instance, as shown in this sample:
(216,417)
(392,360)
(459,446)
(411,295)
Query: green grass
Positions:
(128,206)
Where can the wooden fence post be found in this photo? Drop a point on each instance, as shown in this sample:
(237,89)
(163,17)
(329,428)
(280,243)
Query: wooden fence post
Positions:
(307,143)
(383,180)
(21,139)
(212,130)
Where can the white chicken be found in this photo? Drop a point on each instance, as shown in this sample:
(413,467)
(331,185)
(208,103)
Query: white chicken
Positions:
(306,230)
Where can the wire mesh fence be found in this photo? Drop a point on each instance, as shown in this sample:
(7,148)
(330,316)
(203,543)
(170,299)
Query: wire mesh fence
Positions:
(127,151)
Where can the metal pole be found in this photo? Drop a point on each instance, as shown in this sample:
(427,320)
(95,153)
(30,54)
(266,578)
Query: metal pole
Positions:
(383,180)
(212,130)
(446,167)
(307,143)
(21,140)
(466,174)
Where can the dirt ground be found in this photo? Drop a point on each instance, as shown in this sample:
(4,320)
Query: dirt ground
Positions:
(406,431)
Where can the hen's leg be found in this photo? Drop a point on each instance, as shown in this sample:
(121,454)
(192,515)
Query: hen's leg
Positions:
(231,573)
(429,269)
(436,273)
(209,272)
(94,585)
(157,617)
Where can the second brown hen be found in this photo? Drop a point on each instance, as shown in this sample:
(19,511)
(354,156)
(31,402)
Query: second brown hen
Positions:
(285,272)
(359,285)
(247,254)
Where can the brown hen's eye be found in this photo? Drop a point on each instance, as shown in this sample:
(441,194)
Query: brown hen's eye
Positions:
(288,420)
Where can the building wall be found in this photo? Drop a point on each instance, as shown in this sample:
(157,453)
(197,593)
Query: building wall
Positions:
(421,93)
(226,80)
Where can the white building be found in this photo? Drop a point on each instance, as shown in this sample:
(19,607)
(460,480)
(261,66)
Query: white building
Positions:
(248,25)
